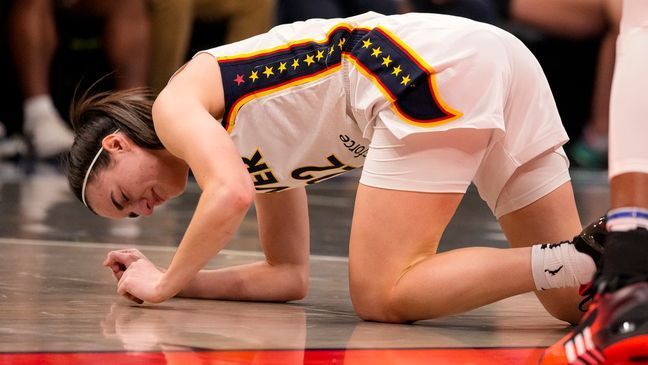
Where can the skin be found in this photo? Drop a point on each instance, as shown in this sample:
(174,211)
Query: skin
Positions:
(580,19)
(33,40)
(629,190)
(409,280)
(157,177)
(227,193)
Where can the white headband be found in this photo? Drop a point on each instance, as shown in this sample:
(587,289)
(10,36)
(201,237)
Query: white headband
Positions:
(87,175)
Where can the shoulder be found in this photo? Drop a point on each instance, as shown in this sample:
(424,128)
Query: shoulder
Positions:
(198,81)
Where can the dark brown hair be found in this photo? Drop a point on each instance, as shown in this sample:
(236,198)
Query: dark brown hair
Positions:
(94,117)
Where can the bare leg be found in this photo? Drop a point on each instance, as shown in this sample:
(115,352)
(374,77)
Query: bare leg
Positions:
(395,273)
(550,219)
(629,190)
(33,42)
(568,18)
(127,36)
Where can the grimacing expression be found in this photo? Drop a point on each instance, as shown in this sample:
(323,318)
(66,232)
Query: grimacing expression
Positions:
(136,180)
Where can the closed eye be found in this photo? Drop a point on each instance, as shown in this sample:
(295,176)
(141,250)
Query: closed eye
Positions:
(120,206)
(126,200)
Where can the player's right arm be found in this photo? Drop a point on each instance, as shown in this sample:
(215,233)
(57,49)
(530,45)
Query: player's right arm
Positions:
(283,275)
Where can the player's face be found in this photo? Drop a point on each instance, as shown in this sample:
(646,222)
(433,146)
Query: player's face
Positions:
(136,181)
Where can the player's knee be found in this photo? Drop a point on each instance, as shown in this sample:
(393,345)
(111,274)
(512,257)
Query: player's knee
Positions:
(376,305)
(570,315)
(378,312)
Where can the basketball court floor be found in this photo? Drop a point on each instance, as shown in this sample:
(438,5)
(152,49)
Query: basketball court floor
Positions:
(58,304)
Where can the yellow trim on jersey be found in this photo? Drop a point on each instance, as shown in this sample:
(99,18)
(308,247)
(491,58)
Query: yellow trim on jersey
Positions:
(261,93)
(431,80)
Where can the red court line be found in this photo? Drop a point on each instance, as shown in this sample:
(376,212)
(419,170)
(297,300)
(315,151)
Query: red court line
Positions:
(477,356)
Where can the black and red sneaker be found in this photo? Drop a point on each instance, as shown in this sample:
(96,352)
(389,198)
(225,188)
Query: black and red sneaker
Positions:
(591,241)
(613,331)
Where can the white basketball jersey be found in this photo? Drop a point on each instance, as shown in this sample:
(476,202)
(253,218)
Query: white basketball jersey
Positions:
(302,99)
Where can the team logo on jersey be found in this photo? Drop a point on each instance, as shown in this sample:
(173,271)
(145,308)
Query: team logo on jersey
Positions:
(401,75)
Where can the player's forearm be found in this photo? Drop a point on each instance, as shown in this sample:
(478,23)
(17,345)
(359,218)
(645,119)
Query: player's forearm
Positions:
(258,281)
(218,215)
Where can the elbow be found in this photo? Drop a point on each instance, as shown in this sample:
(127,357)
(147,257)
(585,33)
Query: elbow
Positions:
(244,191)
(243,199)
(297,292)
(300,290)
(239,198)
(296,287)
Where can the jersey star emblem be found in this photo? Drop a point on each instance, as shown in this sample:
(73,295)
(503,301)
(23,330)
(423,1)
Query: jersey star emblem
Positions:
(295,63)
(366,43)
(376,52)
(254,76)
(342,42)
(397,70)
(386,61)
(268,72)
(309,59)
(320,55)
(406,80)
(331,50)
(239,80)
(282,66)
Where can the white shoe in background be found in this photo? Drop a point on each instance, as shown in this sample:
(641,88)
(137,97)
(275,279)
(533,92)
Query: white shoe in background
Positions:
(48,132)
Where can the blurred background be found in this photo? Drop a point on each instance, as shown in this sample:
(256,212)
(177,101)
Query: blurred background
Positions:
(50,48)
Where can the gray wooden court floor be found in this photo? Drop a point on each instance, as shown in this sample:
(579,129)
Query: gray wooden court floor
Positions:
(55,297)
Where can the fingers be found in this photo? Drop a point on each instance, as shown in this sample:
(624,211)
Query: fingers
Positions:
(133,298)
(123,291)
(125,257)
(118,270)
(118,274)
(119,261)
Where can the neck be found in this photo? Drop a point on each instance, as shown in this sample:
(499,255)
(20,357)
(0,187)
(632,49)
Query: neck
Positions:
(175,163)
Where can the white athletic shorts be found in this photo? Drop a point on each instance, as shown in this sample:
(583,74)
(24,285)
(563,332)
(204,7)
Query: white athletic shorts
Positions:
(508,141)
(447,162)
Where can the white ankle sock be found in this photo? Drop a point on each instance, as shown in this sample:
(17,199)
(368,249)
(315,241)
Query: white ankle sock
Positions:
(627,219)
(560,266)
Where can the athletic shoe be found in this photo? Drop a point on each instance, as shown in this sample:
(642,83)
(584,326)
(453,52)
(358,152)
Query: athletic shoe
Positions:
(591,241)
(49,134)
(613,331)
